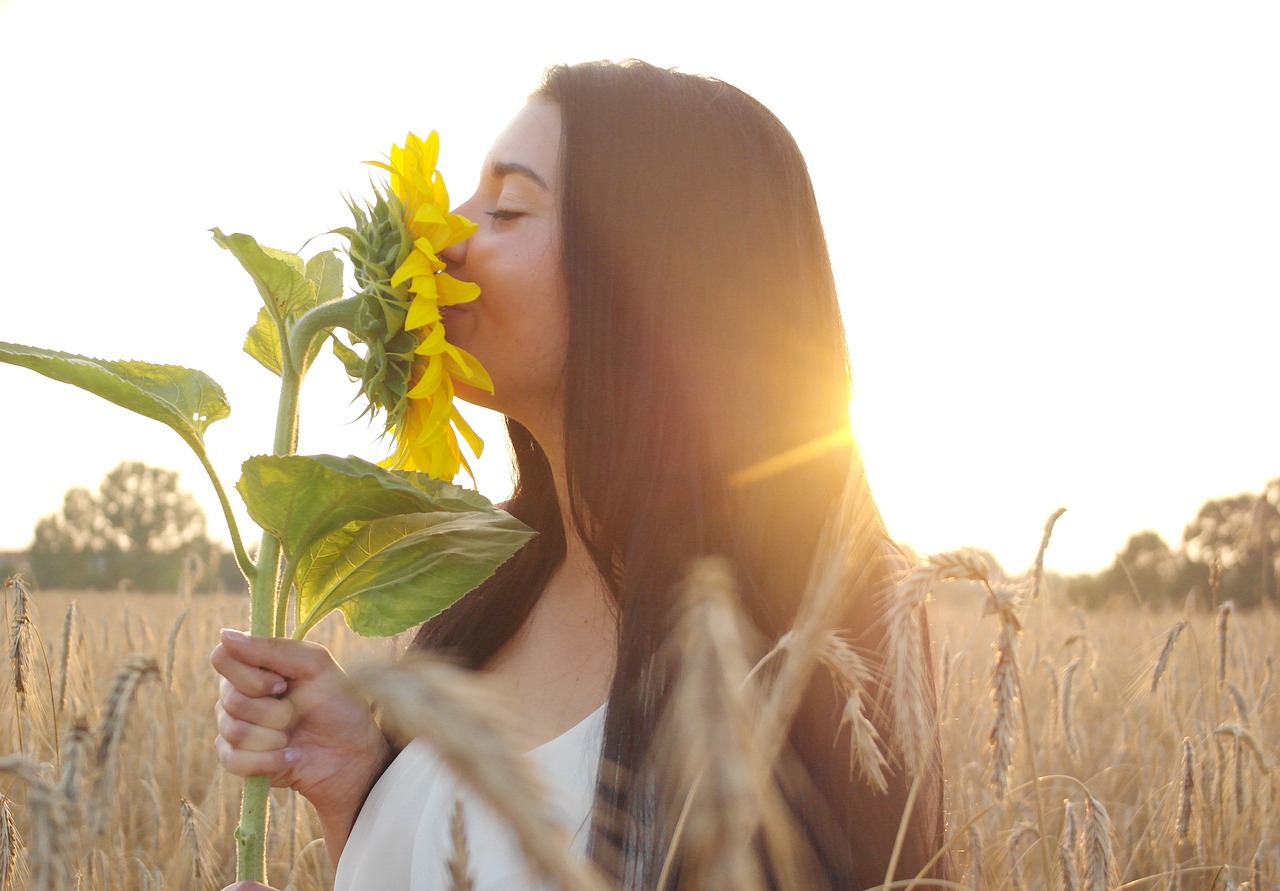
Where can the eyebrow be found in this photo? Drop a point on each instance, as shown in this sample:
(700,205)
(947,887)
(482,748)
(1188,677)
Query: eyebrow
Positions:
(501,169)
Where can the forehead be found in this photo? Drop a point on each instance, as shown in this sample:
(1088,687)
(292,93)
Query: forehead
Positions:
(531,140)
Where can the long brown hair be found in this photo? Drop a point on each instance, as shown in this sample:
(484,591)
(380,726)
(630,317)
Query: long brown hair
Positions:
(704,339)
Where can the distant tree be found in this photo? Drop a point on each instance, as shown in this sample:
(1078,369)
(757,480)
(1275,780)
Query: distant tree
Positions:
(1236,541)
(137,530)
(1147,565)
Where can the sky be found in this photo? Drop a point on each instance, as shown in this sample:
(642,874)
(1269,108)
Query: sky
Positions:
(1055,227)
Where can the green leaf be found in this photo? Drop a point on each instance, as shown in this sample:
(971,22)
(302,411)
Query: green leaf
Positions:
(390,574)
(352,361)
(301,499)
(279,275)
(186,400)
(263,342)
(324,271)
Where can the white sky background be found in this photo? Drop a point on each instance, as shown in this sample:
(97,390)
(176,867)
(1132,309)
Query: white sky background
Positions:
(1056,228)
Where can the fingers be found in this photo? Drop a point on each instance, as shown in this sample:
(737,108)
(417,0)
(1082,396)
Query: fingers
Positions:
(296,659)
(276,714)
(247,736)
(245,763)
(247,678)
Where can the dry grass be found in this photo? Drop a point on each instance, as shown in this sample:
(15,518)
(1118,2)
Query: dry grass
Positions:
(1129,748)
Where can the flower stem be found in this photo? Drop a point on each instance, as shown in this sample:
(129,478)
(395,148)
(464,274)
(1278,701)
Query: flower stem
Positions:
(251,834)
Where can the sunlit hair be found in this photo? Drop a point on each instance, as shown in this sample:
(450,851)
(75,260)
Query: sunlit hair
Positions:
(704,340)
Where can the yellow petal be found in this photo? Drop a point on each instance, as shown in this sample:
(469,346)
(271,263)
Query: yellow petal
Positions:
(466,367)
(474,441)
(432,375)
(451,291)
(414,264)
(422,311)
(432,341)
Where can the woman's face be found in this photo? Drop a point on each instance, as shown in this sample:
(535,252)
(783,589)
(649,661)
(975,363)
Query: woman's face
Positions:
(518,328)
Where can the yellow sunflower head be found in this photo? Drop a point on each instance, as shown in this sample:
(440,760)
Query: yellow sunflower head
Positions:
(409,368)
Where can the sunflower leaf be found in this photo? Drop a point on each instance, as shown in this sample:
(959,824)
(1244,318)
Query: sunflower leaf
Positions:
(263,342)
(324,271)
(279,275)
(390,574)
(184,399)
(301,499)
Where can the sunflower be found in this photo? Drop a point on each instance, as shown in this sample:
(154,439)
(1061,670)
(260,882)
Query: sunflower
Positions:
(409,367)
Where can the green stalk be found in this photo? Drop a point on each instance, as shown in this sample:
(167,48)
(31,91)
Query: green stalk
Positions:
(251,834)
(237,544)
(319,320)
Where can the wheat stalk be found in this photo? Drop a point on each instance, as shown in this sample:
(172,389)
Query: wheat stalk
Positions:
(1017,839)
(459,864)
(64,662)
(171,646)
(913,727)
(1242,707)
(47,855)
(1003,601)
(866,753)
(851,550)
(1223,619)
(713,773)
(469,725)
(1037,575)
(10,846)
(1065,701)
(194,835)
(1165,652)
(1099,863)
(1068,847)
(1186,790)
(20,657)
(124,688)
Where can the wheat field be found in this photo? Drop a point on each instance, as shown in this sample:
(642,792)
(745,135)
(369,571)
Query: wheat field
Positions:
(1129,748)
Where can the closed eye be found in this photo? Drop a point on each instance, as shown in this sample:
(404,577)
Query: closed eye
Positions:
(504,216)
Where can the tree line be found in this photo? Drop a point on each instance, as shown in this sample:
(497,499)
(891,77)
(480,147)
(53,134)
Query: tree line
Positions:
(1229,551)
(139,531)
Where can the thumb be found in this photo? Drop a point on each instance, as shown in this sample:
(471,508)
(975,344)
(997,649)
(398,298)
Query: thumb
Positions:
(284,656)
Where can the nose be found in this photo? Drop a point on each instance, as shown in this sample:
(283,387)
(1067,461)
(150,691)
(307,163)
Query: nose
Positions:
(454,255)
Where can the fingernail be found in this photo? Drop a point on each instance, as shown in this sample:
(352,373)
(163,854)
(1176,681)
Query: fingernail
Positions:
(292,755)
(280,687)
(232,634)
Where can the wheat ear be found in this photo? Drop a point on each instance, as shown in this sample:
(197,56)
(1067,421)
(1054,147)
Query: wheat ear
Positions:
(1068,847)
(1222,622)
(124,688)
(470,727)
(1165,652)
(715,777)
(49,863)
(1186,790)
(866,749)
(459,864)
(1099,863)
(10,846)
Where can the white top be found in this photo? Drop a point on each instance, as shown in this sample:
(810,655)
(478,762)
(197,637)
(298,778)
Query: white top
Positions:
(401,839)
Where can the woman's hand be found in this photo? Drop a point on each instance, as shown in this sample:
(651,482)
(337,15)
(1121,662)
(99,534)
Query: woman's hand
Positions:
(286,709)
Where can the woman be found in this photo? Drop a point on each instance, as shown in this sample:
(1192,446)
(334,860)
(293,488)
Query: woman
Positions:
(660,322)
